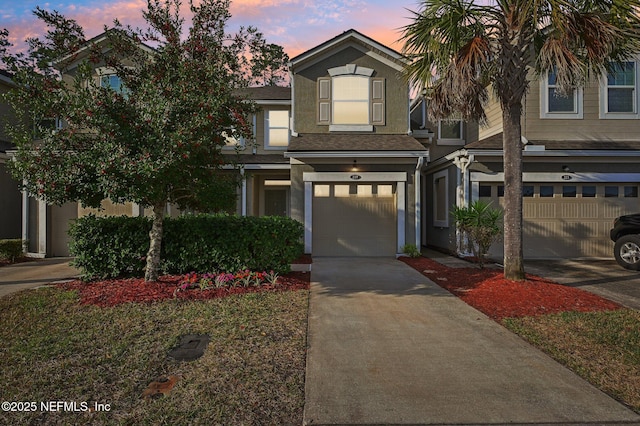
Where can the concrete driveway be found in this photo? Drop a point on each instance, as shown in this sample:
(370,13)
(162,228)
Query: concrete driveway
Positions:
(21,276)
(388,346)
(603,277)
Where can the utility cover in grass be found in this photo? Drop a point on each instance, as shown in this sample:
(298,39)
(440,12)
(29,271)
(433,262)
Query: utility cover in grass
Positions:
(191,347)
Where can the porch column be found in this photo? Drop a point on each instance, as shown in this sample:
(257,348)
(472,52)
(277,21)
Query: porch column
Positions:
(42,228)
(401,201)
(243,194)
(25,218)
(308,217)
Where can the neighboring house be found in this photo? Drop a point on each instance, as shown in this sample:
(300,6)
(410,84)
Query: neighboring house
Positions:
(11,210)
(581,168)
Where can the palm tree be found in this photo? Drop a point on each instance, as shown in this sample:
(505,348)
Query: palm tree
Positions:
(461,49)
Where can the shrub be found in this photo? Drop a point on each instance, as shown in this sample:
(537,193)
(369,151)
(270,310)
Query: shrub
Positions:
(481,225)
(115,246)
(411,250)
(11,249)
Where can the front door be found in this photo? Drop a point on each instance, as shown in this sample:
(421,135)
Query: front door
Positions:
(276,202)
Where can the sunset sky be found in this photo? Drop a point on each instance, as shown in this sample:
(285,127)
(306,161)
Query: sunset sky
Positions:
(298,25)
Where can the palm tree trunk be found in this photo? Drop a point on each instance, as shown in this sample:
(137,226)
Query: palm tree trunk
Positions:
(512,147)
(155,237)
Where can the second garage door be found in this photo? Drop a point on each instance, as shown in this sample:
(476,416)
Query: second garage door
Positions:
(354,219)
(568,220)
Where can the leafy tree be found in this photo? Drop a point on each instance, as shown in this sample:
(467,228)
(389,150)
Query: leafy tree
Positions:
(154,139)
(480,223)
(460,49)
(270,65)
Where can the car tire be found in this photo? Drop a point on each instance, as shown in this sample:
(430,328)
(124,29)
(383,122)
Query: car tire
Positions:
(627,252)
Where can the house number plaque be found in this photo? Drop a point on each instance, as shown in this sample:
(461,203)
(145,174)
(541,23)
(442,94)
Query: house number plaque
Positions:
(356,177)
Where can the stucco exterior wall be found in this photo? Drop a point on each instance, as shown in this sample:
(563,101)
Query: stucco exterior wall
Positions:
(305,84)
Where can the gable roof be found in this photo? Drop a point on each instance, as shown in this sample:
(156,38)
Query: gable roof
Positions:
(348,38)
(6,77)
(267,93)
(67,61)
(353,142)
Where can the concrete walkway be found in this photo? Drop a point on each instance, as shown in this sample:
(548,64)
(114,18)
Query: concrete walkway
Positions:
(35,273)
(388,346)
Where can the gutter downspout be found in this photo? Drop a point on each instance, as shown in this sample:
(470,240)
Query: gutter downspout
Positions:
(292,123)
(417,185)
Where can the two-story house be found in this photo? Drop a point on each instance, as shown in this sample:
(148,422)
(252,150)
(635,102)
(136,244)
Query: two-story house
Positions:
(334,152)
(355,168)
(581,167)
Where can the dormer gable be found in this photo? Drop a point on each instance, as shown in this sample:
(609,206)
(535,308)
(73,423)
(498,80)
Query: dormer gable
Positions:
(350,83)
(350,38)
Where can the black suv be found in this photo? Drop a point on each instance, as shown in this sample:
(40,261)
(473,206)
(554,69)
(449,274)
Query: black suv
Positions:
(626,235)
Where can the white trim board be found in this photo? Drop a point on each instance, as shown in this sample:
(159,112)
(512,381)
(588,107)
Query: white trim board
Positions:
(560,177)
(350,176)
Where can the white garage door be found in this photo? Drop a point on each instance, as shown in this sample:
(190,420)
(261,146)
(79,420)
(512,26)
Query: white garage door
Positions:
(354,219)
(569,220)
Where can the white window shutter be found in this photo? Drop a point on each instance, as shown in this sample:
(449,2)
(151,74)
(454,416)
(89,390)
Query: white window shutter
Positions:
(377,101)
(324,101)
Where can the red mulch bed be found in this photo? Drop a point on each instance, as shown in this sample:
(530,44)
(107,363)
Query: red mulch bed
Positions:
(117,291)
(488,291)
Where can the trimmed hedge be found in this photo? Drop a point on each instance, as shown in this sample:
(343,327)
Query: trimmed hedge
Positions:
(109,247)
(11,249)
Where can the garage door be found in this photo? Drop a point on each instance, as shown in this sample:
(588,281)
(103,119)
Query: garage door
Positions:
(569,220)
(354,219)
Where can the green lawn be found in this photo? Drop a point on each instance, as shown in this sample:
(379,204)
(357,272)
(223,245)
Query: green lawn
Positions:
(602,347)
(54,349)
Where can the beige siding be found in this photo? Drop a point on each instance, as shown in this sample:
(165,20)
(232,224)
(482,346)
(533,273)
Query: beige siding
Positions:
(590,127)
(494,119)
(60,219)
(107,208)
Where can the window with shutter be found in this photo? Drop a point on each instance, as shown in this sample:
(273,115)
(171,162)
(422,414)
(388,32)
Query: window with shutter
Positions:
(351,99)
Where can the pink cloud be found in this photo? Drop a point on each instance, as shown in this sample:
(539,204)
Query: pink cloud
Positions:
(297,25)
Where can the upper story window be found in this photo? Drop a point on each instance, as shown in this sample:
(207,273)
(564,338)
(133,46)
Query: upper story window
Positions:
(112,81)
(351,99)
(232,142)
(276,129)
(46,125)
(556,105)
(350,103)
(450,132)
(619,92)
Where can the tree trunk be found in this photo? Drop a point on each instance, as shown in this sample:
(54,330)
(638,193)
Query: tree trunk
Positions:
(155,237)
(512,147)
